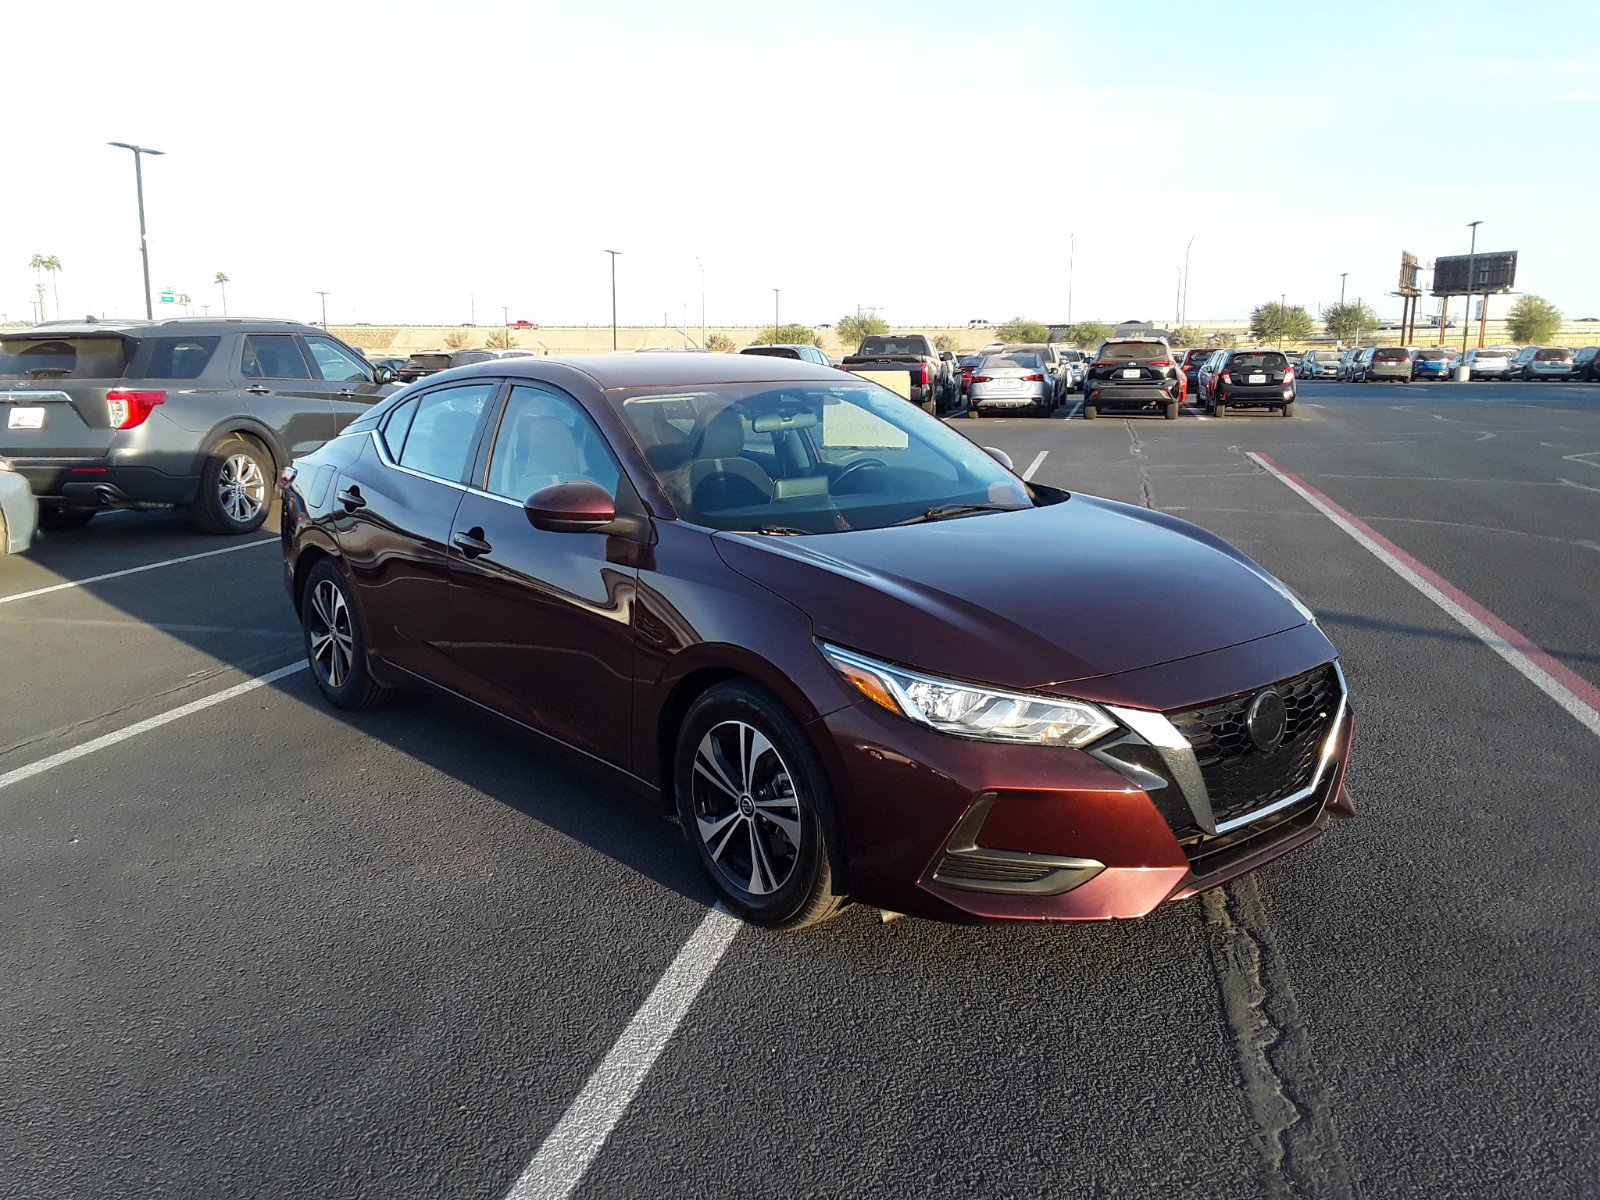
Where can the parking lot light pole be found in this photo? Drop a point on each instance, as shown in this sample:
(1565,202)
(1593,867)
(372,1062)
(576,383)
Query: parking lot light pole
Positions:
(775,326)
(613,254)
(324,296)
(1072,259)
(702,267)
(1472,264)
(1183,306)
(1343,275)
(144,246)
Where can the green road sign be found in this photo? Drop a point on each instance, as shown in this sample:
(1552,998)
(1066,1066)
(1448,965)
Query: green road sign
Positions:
(169,297)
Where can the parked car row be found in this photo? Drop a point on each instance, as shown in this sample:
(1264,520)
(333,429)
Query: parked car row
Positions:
(1407,363)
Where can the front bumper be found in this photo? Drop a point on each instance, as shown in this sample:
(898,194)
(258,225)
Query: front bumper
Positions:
(972,831)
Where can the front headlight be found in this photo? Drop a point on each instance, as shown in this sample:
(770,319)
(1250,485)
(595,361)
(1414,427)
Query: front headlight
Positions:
(968,709)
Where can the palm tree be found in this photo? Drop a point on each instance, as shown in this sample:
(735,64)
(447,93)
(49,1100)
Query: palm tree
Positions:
(186,300)
(37,263)
(222,281)
(53,265)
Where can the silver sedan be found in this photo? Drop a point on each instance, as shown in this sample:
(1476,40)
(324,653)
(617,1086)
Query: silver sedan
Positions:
(19,513)
(1010,383)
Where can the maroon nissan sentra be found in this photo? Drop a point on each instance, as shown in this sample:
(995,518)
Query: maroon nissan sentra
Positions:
(854,654)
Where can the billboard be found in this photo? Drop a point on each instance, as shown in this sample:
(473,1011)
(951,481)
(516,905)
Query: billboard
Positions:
(1408,274)
(1493,271)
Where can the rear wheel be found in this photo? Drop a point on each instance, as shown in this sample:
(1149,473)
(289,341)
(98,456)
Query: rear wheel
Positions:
(1171,410)
(1218,408)
(235,488)
(54,516)
(756,808)
(335,648)
(1090,411)
(1287,410)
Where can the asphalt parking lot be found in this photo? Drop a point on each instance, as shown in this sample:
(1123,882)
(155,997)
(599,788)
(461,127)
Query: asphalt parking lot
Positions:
(266,948)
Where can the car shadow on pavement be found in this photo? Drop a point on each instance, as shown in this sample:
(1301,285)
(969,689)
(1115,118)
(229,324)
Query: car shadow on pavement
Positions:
(1365,621)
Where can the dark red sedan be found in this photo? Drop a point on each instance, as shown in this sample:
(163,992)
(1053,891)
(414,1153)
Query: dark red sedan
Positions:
(857,656)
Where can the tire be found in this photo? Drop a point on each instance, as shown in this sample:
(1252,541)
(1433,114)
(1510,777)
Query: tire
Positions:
(1219,409)
(334,644)
(1090,411)
(235,488)
(1170,412)
(1287,410)
(972,410)
(54,516)
(739,737)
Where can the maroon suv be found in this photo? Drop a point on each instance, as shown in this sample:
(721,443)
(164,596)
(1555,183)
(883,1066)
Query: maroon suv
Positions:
(856,655)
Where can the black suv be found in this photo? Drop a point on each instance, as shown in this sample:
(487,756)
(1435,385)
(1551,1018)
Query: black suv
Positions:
(1133,373)
(1251,379)
(195,413)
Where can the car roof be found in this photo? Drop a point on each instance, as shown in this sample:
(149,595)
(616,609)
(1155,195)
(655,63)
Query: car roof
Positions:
(196,325)
(625,369)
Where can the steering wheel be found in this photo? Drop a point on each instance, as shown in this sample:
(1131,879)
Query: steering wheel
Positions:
(860,464)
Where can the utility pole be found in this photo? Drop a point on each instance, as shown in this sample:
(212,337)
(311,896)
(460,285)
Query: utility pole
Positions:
(505,315)
(144,246)
(613,254)
(324,296)
(775,325)
(1343,275)
(472,309)
(1472,270)
(1072,256)
(702,266)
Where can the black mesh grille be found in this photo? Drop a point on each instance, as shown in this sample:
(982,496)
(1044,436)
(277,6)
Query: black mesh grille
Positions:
(1239,777)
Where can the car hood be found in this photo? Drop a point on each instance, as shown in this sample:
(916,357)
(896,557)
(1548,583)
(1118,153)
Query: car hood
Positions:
(1043,596)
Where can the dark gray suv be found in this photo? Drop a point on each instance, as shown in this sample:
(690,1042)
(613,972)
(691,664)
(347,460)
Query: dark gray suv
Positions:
(195,413)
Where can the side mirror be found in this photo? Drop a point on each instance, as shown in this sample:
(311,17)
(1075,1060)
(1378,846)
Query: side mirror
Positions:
(578,507)
(1001,457)
(384,375)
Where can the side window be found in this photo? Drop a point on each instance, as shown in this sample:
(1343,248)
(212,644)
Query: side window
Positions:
(397,426)
(444,430)
(273,356)
(547,438)
(335,364)
(177,357)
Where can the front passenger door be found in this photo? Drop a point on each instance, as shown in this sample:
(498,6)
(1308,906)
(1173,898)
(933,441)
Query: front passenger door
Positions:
(544,621)
(351,387)
(279,392)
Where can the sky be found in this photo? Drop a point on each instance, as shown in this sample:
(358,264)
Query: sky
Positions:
(940,162)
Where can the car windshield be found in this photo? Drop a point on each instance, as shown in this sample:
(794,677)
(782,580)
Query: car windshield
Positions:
(808,458)
(893,345)
(63,358)
(1134,351)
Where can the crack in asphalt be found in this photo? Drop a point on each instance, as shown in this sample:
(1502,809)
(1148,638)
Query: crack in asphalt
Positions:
(1294,1129)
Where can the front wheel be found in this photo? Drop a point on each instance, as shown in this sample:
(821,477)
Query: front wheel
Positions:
(335,649)
(756,808)
(235,488)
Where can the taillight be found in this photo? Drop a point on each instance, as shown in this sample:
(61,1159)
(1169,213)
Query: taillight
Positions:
(979,379)
(1162,362)
(1227,377)
(1033,379)
(966,376)
(925,373)
(130,408)
(1288,375)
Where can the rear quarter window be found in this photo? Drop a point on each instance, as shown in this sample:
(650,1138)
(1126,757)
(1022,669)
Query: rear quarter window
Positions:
(173,357)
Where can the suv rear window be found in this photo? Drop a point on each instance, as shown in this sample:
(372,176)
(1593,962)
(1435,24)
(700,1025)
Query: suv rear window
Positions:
(173,357)
(63,358)
(1390,354)
(428,362)
(1135,351)
(1554,355)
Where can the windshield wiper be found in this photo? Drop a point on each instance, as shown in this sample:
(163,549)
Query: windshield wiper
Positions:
(779,531)
(940,512)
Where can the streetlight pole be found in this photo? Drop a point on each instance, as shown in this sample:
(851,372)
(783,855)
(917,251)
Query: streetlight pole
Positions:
(1072,257)
(775,325)
(1183,314)
(1344,275)
(1472,269)
(144,246)
(703,338)
(324,296)
(613,254)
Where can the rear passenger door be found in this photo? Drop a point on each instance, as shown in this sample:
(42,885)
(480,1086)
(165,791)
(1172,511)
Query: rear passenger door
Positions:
(278,390)
(348,379)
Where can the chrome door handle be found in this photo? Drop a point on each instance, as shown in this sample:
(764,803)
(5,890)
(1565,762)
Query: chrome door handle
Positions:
(470,544)
(255,389)
(352,499)
(345,395)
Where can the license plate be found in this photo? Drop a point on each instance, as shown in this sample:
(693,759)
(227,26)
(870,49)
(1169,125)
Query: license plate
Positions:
(1255,378)
(1131,373)
(26,418)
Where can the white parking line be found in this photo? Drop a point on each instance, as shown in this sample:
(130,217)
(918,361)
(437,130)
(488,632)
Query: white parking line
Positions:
(166,562)
(1575,694)
(1077,407)
(18,774)
(1034,465)
(564,1158)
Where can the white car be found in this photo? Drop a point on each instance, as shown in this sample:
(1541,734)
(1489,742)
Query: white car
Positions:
(1489,363)
(19,512)
(1319,364)
(1011,383)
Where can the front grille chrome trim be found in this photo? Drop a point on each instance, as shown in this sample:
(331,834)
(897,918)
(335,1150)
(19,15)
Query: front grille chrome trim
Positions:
(1164,736)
